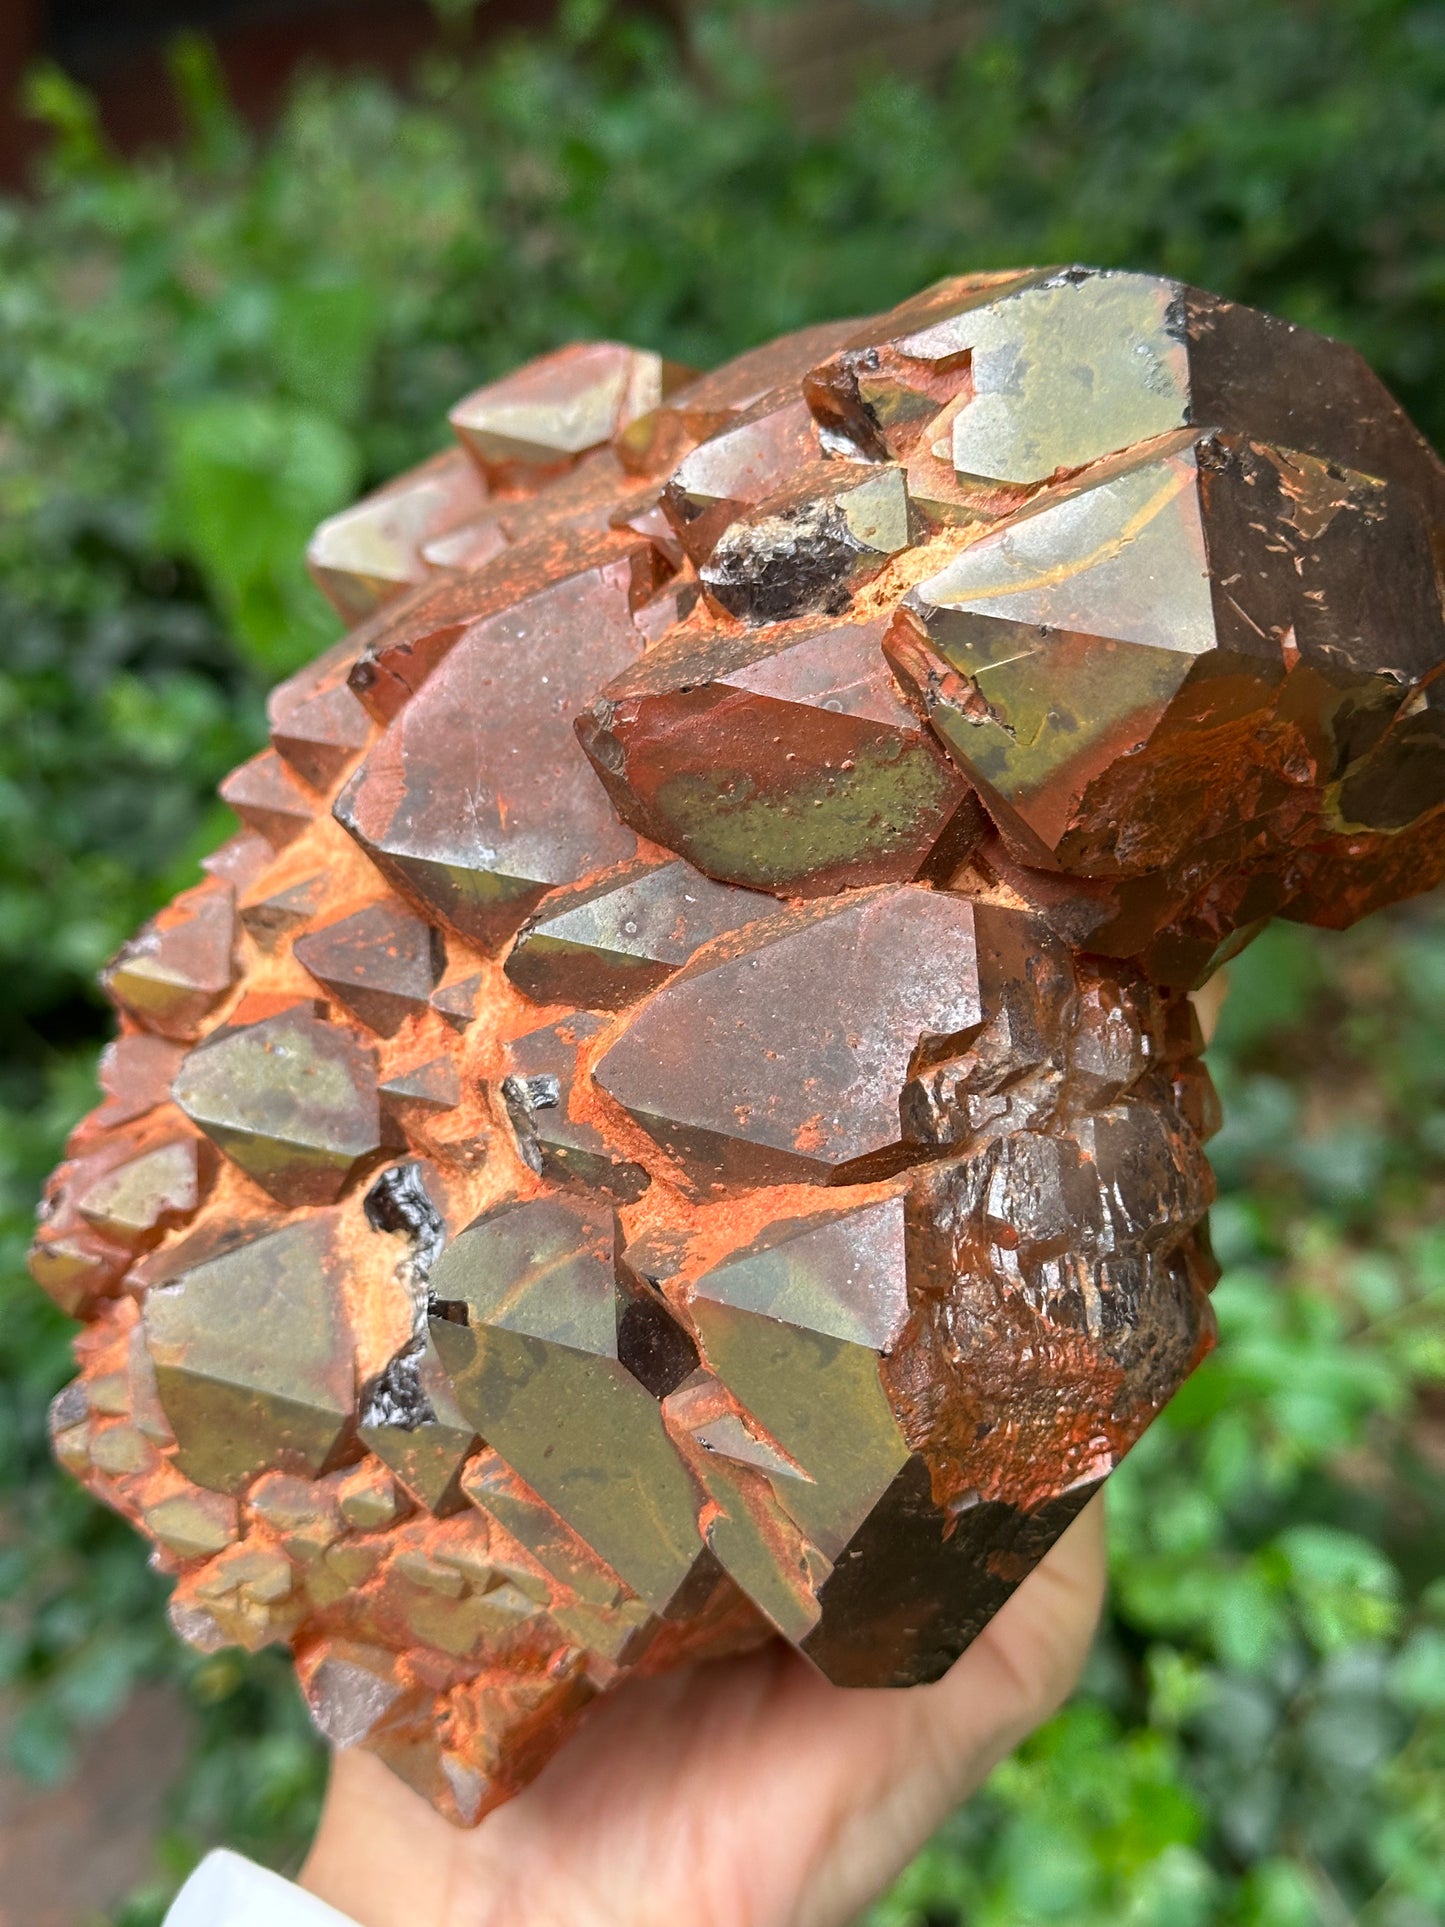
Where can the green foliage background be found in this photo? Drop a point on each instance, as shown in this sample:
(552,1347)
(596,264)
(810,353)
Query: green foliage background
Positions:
(203,354)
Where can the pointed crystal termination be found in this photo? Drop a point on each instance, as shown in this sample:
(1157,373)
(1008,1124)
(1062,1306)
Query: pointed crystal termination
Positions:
(272,914)
(540,1094)
(891,380)
(138,1200)
(602,946)
(435,1085)
(678,1120)
(762,383)
(135,1072)
(128,1181)
(318,725)
(393,655)
(478,798)
(457,1001)
(787,762)
(291,1100)
(370,553)
(736,469)
(794,1326)
(561,405)
(268,799)
(172,975)
(785,1061)
(538,1370)
(240,860)
(1077,694)
(253,1358)
(381,962)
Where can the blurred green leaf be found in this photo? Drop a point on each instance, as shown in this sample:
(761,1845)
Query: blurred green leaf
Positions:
(246,482)
(325,337)
(1272,987)
(218,134)
(51,96)
(1346,1590)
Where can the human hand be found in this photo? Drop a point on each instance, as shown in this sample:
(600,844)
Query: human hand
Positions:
(741,1793)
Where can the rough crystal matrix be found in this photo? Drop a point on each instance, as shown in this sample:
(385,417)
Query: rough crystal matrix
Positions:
(679,1117)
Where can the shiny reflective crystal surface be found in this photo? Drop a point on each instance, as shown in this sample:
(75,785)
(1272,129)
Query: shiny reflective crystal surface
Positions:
(678,1119)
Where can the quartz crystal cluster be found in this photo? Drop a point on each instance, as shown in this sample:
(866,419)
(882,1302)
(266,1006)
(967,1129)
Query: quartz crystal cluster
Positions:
(678,1119)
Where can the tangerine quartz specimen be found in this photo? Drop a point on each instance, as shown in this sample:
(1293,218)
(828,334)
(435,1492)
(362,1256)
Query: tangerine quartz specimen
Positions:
(678,1119)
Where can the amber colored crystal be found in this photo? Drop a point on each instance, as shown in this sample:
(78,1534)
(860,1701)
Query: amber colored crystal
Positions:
(679,1119)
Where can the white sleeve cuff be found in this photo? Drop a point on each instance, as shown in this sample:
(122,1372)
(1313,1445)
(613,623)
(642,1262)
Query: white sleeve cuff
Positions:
(227,1891)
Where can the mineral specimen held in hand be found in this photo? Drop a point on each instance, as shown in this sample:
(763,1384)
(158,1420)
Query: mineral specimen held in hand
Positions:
(679,1121)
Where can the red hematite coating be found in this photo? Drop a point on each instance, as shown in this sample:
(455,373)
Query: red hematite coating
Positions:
(679,1119)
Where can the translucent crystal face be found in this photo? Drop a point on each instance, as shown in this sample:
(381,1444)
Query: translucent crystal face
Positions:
(679,1119)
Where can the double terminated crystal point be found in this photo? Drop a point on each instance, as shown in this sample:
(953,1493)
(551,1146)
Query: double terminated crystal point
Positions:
(679,1119)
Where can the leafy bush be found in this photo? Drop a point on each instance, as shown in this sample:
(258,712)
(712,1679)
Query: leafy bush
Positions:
(202,354)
